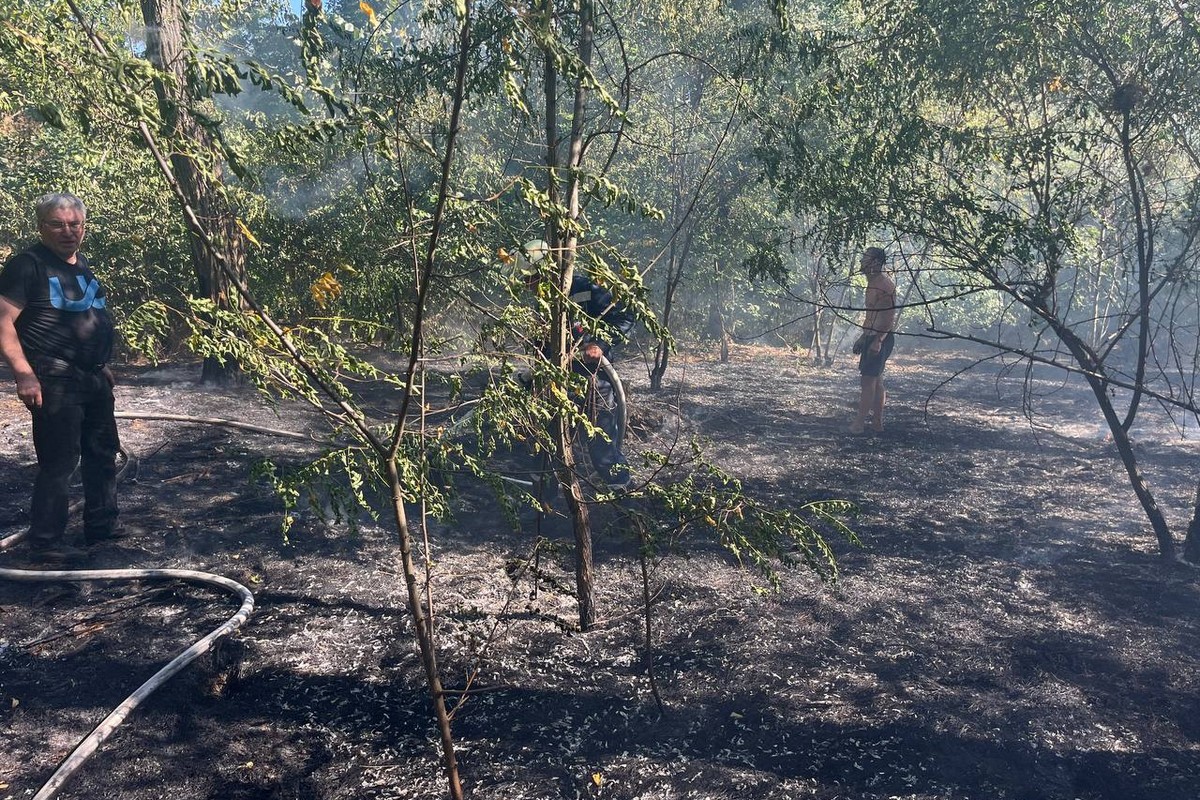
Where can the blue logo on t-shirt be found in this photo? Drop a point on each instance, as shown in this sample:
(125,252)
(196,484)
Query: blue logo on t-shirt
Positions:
(89,299)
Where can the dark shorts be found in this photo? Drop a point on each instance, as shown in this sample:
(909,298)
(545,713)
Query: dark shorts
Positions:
(870,365)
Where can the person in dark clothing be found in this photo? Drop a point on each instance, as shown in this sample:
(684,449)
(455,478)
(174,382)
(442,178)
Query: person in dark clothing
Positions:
(600,401)
(56,334)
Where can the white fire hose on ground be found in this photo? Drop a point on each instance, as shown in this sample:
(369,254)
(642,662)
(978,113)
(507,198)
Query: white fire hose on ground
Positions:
(109,724)
(106,728)
(84,750)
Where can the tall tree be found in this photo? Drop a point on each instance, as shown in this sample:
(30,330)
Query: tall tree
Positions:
(198,169)
(1005,138)
(563,189)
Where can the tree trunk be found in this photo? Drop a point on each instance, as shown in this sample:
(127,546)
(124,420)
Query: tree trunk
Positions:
(1144,242)
(166,49)
(1191,544)
(423,627)
(581,524)
(1094,373)
(564,240)
(677,257)
(716,325)
(816,345)
(662,349)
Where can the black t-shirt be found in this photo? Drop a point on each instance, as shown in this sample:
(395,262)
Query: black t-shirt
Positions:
(597,303)
(64,312)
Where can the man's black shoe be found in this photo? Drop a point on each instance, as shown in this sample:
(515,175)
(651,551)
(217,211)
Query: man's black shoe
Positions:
(59,555)
(103,535)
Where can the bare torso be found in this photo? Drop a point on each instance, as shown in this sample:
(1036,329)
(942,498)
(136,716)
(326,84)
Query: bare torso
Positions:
(881,304)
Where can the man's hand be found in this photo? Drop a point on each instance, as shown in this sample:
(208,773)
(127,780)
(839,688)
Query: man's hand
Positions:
(29,390)
(592,353)
(108,376)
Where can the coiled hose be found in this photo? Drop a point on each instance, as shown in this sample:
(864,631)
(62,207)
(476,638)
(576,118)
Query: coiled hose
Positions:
(619,397)
(109,724)
(456,425)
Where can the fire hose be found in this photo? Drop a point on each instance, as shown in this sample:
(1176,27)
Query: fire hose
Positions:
(619,397)
(108,725)
(88,746)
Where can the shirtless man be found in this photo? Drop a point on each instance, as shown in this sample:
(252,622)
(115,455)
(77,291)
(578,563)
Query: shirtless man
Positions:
(877,331)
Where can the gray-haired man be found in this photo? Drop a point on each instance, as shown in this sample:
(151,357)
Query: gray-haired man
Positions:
(57,336)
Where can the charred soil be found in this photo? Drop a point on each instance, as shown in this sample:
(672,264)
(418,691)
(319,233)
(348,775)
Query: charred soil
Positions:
(1005,631)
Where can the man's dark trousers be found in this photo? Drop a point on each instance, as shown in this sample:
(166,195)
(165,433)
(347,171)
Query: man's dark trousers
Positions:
(75,425)
(600,404)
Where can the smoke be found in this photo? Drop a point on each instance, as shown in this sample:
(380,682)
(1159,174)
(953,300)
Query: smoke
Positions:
(296,196)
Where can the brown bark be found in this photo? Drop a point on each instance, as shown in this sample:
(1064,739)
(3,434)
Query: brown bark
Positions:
(423,625)
(423,614)
(563,241)
(1144,242)
(584,579)
(1191,543)
(1094,373)
(166,49)
(677,257)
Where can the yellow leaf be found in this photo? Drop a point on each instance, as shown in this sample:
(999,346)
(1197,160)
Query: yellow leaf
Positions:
(370,12)
(15,702)
(597,778)
(248,765)
(246,232)
(324,289)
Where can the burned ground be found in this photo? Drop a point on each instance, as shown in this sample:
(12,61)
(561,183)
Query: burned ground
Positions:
(1004,631)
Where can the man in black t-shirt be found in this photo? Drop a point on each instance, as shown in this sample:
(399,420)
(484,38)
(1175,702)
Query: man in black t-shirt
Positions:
(57,336)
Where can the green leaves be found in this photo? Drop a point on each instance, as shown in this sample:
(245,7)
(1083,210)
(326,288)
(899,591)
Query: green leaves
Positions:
(980,130)
(695,498)
(609,193)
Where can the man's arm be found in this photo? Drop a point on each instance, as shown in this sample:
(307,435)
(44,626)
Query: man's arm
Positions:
(29,390)
(597,303)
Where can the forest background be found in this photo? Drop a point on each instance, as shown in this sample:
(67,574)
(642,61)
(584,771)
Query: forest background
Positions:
(286,190)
